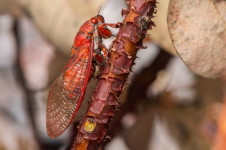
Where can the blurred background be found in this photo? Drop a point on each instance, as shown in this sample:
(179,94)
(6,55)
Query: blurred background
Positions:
(164,105)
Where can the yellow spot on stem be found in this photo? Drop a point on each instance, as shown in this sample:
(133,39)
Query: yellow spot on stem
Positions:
(90,125)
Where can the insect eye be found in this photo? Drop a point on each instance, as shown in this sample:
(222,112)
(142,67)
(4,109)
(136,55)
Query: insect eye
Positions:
(94,20)
(100,18)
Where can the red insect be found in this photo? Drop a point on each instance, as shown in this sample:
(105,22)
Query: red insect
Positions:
(68,89)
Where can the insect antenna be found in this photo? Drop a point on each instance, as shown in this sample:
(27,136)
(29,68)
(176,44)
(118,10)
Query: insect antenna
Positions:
(99,11)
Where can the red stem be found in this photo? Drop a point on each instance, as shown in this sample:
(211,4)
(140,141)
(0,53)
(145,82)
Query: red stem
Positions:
(137,21)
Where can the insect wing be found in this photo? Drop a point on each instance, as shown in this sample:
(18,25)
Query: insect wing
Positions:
(67,91)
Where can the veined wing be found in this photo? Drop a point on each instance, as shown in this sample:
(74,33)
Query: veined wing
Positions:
(67,91)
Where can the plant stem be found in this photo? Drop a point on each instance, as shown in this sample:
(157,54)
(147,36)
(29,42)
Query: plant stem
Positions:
(92,130)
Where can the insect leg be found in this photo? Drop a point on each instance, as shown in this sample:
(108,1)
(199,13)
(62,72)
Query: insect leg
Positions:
(93,69)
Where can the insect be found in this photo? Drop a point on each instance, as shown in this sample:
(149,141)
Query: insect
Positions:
(67,91)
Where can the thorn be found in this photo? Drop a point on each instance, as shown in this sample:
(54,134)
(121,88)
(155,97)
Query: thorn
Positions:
(117,109)
(108,137)
(130,57)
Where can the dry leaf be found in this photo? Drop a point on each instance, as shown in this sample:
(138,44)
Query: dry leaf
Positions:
(198,32)
(10,6)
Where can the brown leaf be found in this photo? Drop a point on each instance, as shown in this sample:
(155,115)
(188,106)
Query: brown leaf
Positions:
(10,6)
(198,32)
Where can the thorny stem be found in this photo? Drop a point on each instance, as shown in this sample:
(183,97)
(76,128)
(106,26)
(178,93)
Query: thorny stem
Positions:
(92,130)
